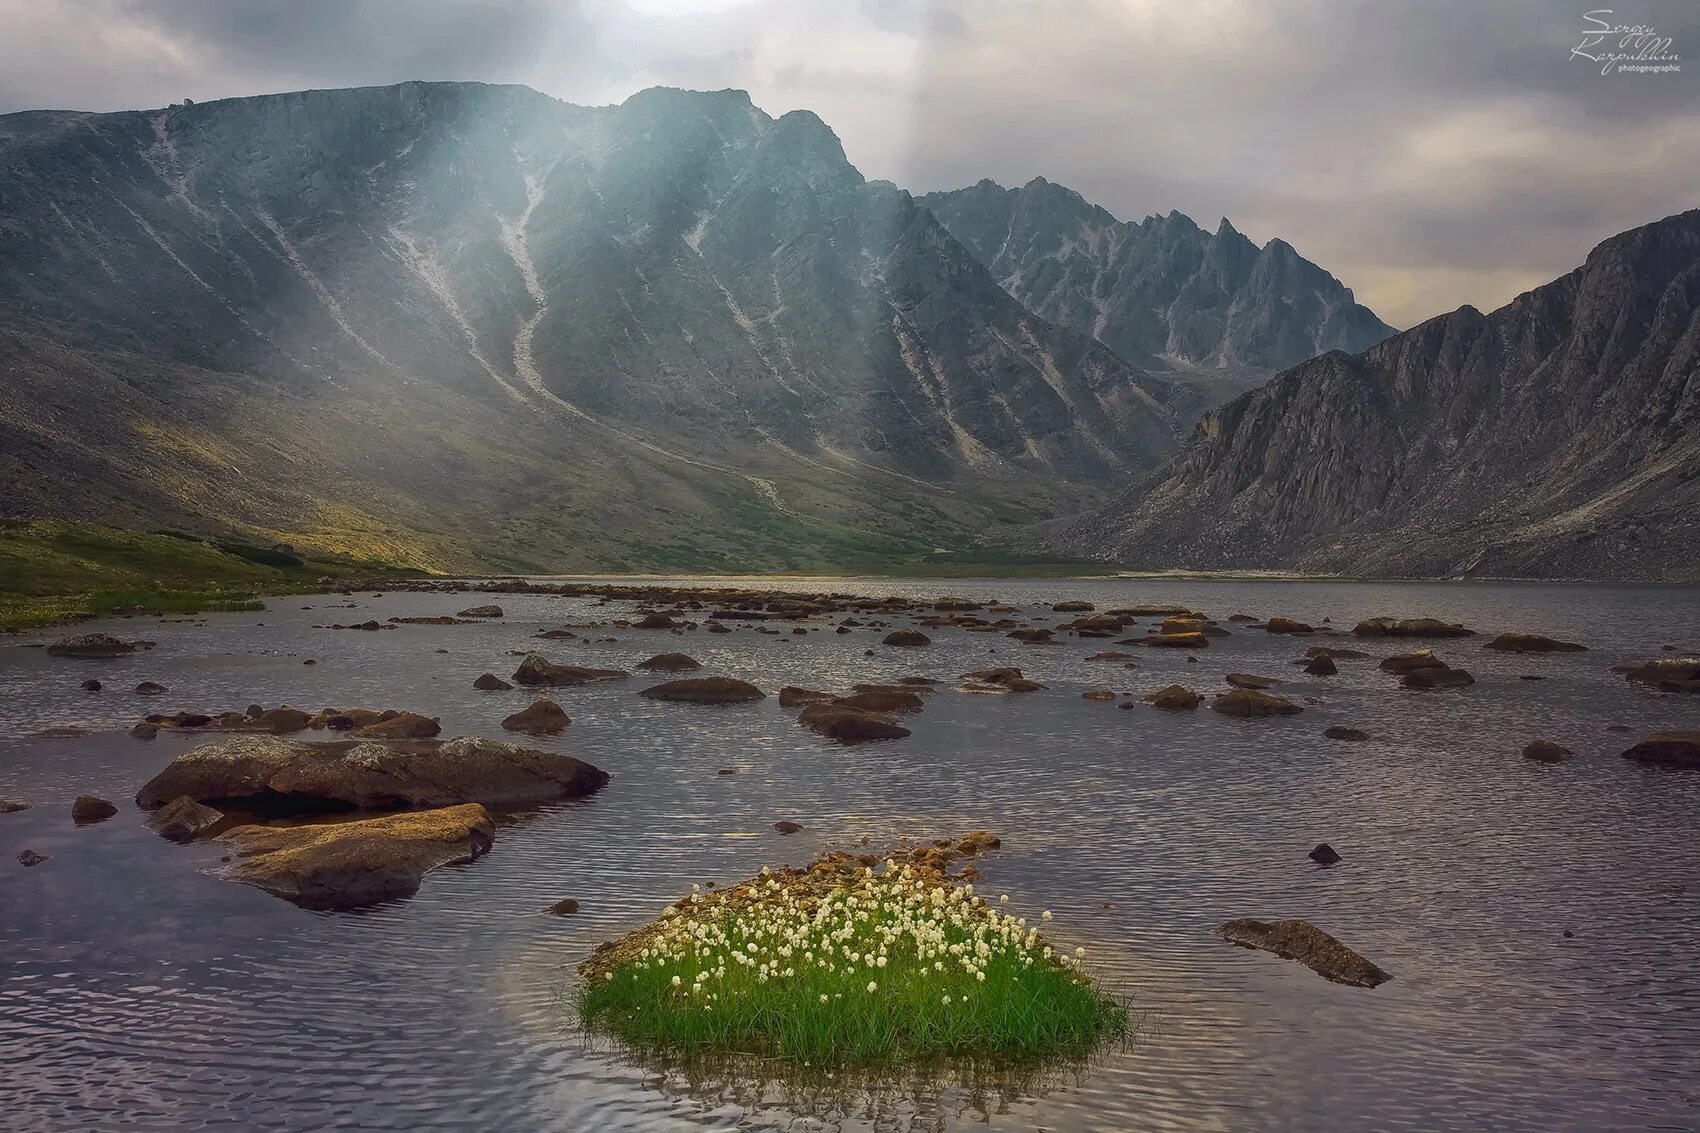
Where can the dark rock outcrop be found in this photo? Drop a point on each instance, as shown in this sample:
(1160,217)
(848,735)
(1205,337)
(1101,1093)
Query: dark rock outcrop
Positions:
(705,690)
(538,670)
(183,819)
(1250,702)
(95,645)
(669,663)
(906,637)
(1668,749)
(1545,751)
(850,725)
(540,718)
(1532,643)
(87,809)
(490,682)
(1175,698)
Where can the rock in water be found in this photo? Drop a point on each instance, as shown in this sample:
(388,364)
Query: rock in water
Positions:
(29,858)
(850,725)
(12,806)
(1668,749)
(1532,643)
(1668,674)
(401,726)
(1339,732)
(347,865)
(1545,751)
(150,688)
(1302,941)
(277,775)
(793,697)
(1409,627)
(906,637)
(86,809)
(705,690)
(183,819)
(1324,855)
(93,645)
(883,700)
(1321,666)
(1410,662)
(1188,640)
(1250,702)
(91,685)
(669,663)
(480,612)
(541,718)
(1287,625)
(1250,680)
(537,669)
(565,907)
(1175,698)
(786,826)
(1437,678)
(490,682)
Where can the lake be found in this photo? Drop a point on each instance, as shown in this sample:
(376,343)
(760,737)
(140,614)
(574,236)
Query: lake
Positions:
(1541,922)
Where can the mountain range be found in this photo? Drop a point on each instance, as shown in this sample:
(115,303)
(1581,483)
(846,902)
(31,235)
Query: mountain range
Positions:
(473,326)
(1556,437)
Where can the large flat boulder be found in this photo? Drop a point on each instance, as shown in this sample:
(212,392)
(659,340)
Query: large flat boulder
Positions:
(1302,941)
(347,865)
(705,690)
(276,775)
(1533,643)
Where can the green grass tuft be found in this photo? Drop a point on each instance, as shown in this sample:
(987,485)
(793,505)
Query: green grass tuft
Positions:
(846,964)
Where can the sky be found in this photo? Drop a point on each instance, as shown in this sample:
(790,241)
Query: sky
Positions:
(1429,153)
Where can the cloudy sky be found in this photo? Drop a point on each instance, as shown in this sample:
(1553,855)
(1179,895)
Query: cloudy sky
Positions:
(1430,153)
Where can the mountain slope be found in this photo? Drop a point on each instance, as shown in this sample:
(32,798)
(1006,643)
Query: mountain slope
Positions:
(1164,293)
(1558,436)
(468,324)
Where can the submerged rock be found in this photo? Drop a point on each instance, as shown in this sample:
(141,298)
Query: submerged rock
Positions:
(1006,679)
(183,819)
(1031,635)
(850,725)
(1250,702)
(883,700)
(95,645)
(1175,698)
(791,696)
(1287,625)
(1437,678)
(86,809)
(906,637)
(540,718)
(705,690)
(1545,751)
(537,669)
(292,777)
(1340,732)
(1302,941)
(29,858)
(1409,627)
(1250,680)
(1668,749)
(347,865)
(669,663)
(1532,643)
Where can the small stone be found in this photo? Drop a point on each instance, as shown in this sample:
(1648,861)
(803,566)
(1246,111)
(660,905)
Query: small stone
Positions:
(1545,751)
(86,809)
(91,685)
(1324,855)
(566,906)
(490,682)
(149,688)
(786,826)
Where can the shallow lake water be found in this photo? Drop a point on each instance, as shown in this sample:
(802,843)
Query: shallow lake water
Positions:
(1541,923)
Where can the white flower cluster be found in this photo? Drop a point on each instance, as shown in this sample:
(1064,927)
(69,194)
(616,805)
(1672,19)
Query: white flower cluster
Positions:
(774,930)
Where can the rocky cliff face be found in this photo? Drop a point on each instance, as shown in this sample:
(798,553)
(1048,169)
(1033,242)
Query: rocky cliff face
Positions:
(1214,308)
(1558,436)
(459,322)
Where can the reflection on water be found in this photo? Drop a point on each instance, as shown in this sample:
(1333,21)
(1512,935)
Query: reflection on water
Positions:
(137,989)
(935,1096)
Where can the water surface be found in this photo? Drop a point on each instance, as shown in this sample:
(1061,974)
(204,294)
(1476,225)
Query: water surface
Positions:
(139,991)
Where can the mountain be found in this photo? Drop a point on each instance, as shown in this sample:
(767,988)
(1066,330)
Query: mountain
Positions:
(1214,308)
(470,325)
(1557,437)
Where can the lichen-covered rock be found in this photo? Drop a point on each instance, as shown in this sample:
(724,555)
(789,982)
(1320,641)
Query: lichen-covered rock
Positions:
(705,690)
(1302,941)
(95,645)
(286,776)
(348,865)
